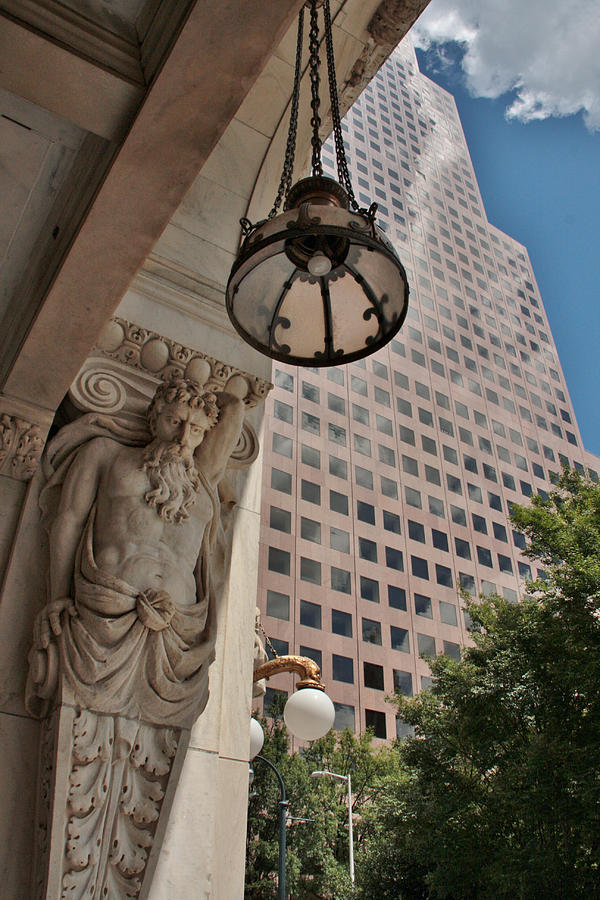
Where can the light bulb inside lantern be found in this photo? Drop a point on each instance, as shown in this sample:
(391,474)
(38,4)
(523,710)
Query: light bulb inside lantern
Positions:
(309,714)
(257,738)
(319,264)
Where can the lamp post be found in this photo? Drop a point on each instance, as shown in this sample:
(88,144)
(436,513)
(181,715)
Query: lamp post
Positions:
(309,714)
(347,779)
(283,805)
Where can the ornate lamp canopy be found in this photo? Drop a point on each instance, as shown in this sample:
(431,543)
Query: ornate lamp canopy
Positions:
(318,284)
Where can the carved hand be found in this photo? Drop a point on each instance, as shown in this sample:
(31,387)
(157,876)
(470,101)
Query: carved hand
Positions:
(49,618)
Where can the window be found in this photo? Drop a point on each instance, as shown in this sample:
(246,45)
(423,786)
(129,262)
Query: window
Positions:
(280,519)
(369,589)
(389,488)
(406,435)
(362,445)
(338,502)
(371,631)
(273,696)
(443,576)
(484,556)
(394,559)
(474,493)
(342,668)
(400,639)
(311,653)
(336,434)
(279,561)
(373,676)
(281,481)
(410,465)
(436,507)
(278,605)
(429,445)
(311,457)
(440,539)
(453,483)
(310,392)
(391,522)
(310,614)
(338,467)
(311,423)
(448,613)
(505,564)
(341,580)
(367,549)
(416,531)
(499,532)
(363,477)
(283,380)
(336,404)
(426,645)
(376,721)
(403,682)
(462,548)
(432,475)
(341,623)
(283,411)
(360,414)
(413,497)
(359,385)
(387,455)
(423,606)
(310,492)
(419,567)
(310,530)
(479,524)
(282,445)
(344,717)
(452,650)
(365,512)
(396,597)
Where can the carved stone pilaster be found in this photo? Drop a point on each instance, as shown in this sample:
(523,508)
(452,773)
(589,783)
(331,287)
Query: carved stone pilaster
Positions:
(21,445)
(107,787)
(119,667)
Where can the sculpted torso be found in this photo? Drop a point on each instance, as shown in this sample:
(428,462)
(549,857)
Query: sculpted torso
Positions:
(135,544)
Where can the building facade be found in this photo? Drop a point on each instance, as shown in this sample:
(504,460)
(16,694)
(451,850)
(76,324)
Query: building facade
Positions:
(387,483)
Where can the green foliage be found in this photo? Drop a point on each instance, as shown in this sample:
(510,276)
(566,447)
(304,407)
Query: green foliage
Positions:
(317,850)
(500,791)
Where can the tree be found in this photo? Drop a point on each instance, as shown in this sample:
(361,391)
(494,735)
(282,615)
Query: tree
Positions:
(317,833)
(501,792)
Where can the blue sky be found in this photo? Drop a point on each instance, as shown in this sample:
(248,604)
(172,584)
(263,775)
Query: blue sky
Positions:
(538,171)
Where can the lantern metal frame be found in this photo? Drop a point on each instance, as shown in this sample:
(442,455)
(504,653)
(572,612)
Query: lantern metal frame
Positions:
(321,236)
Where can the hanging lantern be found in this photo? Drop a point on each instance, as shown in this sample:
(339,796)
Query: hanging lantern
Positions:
(318,284)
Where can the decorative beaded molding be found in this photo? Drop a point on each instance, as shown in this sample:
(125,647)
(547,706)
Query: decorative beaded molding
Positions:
(163,359)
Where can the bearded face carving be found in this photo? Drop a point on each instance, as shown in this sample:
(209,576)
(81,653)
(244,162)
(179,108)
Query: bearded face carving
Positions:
(179,418)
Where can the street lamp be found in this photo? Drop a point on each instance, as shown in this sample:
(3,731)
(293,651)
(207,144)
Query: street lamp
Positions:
(309,714)
(318,284)
(347,779)
(283,805)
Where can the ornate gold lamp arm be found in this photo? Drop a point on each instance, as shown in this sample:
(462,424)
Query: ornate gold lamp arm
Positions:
(307,668)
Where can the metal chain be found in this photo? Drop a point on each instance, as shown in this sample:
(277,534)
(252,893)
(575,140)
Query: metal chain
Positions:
(314,63)
(268,640)
(290,150)
(342,163)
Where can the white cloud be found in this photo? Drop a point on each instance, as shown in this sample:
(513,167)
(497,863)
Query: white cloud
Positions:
(547,51)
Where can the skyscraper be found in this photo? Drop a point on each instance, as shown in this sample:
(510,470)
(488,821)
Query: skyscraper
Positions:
(388,482)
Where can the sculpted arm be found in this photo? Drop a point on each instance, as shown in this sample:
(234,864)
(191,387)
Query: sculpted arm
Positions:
(218,445)
(77,497)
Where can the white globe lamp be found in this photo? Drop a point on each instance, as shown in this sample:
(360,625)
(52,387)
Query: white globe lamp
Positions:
(257,738)
(309,713)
